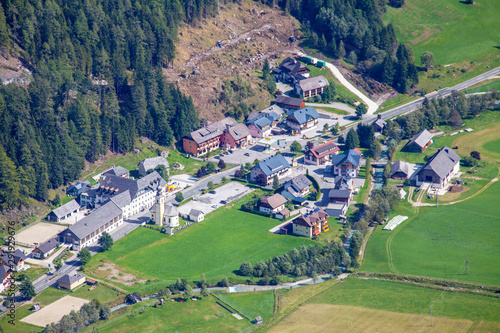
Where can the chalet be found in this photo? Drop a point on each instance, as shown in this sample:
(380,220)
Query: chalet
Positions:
(131,195)
(289,70)
(420,142)
(298,186)
(88,230)
(401,170)
(196,215)
(77,188)
(71,281)
(236,136)
(151,164)
(311,87)
(5,277)
(343,183)
(115,171)
(439,169)
(207,138)
(260,127)
(274,113)
(346,164)
(302,119)
(311,224)
(272,204)
(379,124)
(45,250)
(14,260)
(338,196)
(289,103)
(267,169)
(321,154)
(63,212)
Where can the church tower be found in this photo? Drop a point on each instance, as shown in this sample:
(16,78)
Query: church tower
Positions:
(159,206)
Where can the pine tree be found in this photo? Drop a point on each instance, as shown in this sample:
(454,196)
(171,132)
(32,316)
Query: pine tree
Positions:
(10,186)
(352,140)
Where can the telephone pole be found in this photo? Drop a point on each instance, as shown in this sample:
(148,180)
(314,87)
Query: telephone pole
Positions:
(467,266)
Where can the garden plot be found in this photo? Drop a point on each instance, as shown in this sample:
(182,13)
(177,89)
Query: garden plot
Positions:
(394,222)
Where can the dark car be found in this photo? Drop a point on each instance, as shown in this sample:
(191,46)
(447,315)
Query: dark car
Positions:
(212,192)
(246,154)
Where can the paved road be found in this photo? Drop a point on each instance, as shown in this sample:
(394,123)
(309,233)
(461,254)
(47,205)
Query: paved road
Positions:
(49,279)
(412,106)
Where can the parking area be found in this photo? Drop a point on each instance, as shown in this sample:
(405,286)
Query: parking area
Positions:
(242,156)
(219,197)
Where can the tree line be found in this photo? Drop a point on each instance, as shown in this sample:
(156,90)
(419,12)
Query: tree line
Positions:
(96,86)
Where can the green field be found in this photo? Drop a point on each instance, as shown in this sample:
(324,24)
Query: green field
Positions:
(485,87)
(426,245)
(493,146)
(252,304)
(215,247)
(451,30)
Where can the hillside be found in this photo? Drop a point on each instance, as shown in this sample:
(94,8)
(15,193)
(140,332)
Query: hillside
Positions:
(201,67)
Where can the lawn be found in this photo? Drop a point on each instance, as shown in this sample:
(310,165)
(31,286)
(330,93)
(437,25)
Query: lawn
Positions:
(437,241)
(215,247)
(493,146)
(333,110)
(191,165)
(204,315)
(471,31)
(252,304)
(485,87)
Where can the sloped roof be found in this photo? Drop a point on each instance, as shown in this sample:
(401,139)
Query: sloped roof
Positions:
(292,66)
(273,165)
(287,100)
(421,139)
(79,186)
(313,83)
(264,113)
(304,115)
(311,218)
(3,271)
(342,183)
(274,200)
(48,246)
(325,149)
(239,131)
(212,130)
(380,122)
(342,194)
(71,278)
(122,199)
(66,209)
(442,162)
(170,210)
(262,122)
(349,156)
(301,182)
(153,162)
(95,220)
(117,171)
(16,257)
(195,212)
(400,166)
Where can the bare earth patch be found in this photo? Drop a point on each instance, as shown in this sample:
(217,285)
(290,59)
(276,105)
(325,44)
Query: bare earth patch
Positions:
(55,311)
(108,270)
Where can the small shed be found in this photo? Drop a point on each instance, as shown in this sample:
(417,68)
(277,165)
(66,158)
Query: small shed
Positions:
(258,320)
(71,281)
(196,215)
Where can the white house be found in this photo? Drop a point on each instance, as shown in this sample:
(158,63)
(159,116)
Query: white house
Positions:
(196,215)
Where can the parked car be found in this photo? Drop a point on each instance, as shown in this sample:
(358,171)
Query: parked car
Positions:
(246,154)
(212,192)
(223,202)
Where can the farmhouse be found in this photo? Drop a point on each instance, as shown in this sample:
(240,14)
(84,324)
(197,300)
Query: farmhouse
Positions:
(151,164)
(289,69)
(77,188)
(71,281)
(311,224)
(63,212)
(379,124)
(207,138)
(439,169)
(272,204)
(298,186)
(401,170)
(346,164)
(265,171)
(236,136)
(5,273)
(420,142)
(290,103)
(45,250)
(88,230)
(196,215)
(321,154)
(13,260)
(311,87)
(302,119)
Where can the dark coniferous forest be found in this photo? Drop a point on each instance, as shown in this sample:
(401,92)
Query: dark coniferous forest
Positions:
(97,83)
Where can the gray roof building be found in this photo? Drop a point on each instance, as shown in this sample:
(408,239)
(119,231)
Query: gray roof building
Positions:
(401,169)
(151,164)
(441,163)
(349,156)
(48,246)
(116,171)
(66,209)
(304,115)
(195,212)
(71,278)
(95,220)
(212,130)
(298,183)
(170,210)
(339,194)
(420,142)
(313,83)
(273,165)
(238,131)
(264,113)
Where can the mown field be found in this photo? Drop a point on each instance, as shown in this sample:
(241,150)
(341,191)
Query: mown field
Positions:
(437,241)
(485,87)
(215,247)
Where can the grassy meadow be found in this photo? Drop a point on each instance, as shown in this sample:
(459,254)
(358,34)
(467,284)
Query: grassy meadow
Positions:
(215,247)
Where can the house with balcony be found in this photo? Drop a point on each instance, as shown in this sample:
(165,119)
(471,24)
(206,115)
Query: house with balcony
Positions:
(311,87)
(236,136)
(272,204)
(289,103)
(439,169)
(346,164)
(302,119)
(207,138)
(264,172)
(311,224)
(5,277)
(321,154)
(290,70)
(298,186)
